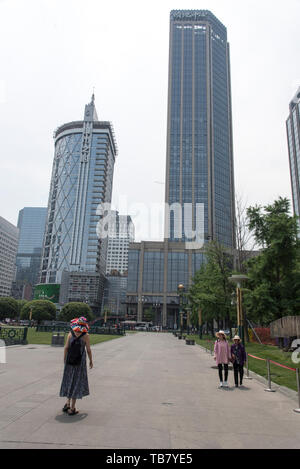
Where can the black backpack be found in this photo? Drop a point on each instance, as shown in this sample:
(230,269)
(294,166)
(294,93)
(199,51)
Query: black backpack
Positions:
(74,353)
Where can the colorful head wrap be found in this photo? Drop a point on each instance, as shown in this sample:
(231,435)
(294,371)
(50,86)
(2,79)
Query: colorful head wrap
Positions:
(79,324)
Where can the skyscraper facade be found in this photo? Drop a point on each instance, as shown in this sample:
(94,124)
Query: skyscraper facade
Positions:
(293,137)
(82,178)
(199,192)
(9,236)
(120,234)
(31,224)
(199,167)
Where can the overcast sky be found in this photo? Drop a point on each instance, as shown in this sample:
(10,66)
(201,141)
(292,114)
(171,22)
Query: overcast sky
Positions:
(53,52)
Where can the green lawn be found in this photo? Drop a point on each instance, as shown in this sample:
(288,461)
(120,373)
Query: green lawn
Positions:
(279,375)
(34,337)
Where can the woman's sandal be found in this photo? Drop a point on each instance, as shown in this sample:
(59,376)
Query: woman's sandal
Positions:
(65,408)
(72,411)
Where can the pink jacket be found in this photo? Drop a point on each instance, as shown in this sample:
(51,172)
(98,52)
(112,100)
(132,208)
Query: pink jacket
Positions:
(222,352)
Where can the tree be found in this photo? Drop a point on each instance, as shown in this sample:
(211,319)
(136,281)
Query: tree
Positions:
(74,310)
(8,308)
(244,238)
(149,314)
(42,310)
(21,303)
(211,290)
(274,275)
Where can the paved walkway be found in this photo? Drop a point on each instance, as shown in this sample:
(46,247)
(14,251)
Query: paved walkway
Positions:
(148,390)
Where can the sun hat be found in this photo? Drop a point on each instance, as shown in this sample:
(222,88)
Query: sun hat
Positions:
(221,333)
(236,337)
(79,324)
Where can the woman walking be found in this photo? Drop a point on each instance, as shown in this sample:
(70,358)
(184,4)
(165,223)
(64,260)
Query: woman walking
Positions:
(222,355)
(75,381)
(239,357)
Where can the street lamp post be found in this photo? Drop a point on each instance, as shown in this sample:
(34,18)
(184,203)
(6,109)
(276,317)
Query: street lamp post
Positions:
(200,323)
(238,279)
(142,300)
(180,290)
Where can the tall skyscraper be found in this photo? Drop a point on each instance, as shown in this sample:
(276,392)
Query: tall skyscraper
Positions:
(293,137)
(199,167)
(120,234)
(31,223)
(82,178)
(9,235)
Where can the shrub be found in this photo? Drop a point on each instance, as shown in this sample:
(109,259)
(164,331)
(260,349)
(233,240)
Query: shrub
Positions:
(74,310)
(42,310)
(8,308)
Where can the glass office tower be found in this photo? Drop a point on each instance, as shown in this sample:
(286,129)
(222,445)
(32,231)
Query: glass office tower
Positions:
(9,237)
(199,167)
(82,178)
(31,223)
(293,136)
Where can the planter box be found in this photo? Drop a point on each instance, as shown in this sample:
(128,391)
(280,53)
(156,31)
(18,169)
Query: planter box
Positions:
(190,342)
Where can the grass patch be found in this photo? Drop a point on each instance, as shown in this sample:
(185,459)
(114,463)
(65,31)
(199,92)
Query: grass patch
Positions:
(44,338)
(279,375)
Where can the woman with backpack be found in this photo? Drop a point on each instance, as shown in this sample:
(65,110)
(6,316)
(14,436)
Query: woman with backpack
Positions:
(75,381)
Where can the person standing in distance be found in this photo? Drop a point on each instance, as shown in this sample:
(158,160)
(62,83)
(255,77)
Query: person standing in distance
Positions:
(222,355)
(239,357)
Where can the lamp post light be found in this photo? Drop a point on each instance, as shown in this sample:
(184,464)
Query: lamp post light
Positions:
(157,307)
(142,300)
(200,323)
(180,290)
(238,279)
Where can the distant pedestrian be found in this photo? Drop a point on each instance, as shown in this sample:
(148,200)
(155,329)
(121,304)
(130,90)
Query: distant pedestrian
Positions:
(239,357)
(222,355)
(75,381)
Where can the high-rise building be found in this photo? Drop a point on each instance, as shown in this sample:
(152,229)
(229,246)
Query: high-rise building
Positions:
(120,234)
(199,192)
(81,181)
(199,167)
(293,137)
(9,236)
(31,223)
(114,298)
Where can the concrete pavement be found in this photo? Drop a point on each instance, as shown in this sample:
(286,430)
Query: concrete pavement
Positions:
(148,390)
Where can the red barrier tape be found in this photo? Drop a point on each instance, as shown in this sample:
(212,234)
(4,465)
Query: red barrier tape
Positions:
(257,358)
(272,361)
(283,366)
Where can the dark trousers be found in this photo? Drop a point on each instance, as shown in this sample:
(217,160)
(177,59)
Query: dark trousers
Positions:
(220,366)
(238,370)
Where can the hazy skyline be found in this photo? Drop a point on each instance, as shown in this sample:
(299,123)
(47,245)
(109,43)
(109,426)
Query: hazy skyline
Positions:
(55,52)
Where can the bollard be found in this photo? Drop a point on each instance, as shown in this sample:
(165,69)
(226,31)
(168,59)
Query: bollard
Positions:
(269,389)
(211,348)
(298,386)
(247,365)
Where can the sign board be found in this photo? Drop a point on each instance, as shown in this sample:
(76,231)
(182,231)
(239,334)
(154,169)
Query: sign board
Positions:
(47,291)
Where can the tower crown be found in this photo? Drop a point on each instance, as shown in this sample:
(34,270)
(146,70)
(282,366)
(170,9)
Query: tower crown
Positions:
(90,113)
